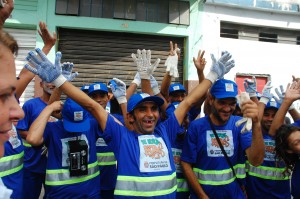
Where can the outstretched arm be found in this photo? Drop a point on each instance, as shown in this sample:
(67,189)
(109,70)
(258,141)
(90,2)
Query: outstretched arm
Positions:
(292,94)
(26,76)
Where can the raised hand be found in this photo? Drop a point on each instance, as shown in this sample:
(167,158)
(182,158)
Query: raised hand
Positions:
(48,39)
(47,71)
(250,86)
(266,94)
(200,62)
(154,85)
(172,60)
(137,79)
(118,88)
(143,61)
(67,69)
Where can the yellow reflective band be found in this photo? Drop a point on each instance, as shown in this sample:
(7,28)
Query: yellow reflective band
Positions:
(144,193)
(26,144)
(12,157)
(11,171)
(264,172)
(182,185)
(147,179)
(74,180)
(106,159)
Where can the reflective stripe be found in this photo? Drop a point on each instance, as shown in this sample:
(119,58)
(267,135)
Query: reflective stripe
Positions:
(62,176)
(25,143)
(182,185)
(145,186)
(106,159)
(11,164)
(269,173)
(220,177)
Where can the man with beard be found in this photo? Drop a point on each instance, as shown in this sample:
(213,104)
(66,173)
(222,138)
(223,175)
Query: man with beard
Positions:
(203,162)
(34,157)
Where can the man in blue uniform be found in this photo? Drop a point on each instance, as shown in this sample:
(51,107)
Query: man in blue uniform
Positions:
(72,167)
(206,169)
(145,163)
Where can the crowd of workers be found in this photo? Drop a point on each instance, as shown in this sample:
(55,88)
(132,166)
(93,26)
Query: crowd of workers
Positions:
(107,140)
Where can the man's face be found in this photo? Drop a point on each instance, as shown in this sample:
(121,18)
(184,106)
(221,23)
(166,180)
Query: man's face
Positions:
(267,118)
(9,108)
(144,117)
(177,96)
(222,109)
(48,87)
(100,97)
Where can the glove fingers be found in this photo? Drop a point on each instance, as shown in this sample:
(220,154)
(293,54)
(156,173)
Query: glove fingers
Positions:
(31,69)
(213,58)
(148,54)
(144,54)
(281,88)
(155,64)
(57,59)
(73,76)
(277,92)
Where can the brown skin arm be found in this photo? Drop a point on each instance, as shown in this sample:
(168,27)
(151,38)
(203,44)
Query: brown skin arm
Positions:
(37,128)
(256,151)
(191,99)
(86,102)
(25,75)
(192,180)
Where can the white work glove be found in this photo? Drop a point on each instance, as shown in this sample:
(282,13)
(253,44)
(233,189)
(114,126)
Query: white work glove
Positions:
(218,68)
(51,73)
(154,85)
(143,62)
(225,59)
(5,193)
(250,86)
(281,95)
(137,79)
(266,94)
(172,63)
(243,97)
(67,69)
(118,88)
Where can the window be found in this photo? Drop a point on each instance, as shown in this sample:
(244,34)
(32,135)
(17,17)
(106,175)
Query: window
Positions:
(268,37)
(259,33)
(161,11)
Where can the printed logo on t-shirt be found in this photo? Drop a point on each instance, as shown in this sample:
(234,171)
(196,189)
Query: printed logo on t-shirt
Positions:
(154,155)
(52,119)
(176,157)
(65,148)
(213,148)
(269,150)
(101,142)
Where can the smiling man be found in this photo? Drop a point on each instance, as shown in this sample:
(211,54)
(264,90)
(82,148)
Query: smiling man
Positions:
(204,164)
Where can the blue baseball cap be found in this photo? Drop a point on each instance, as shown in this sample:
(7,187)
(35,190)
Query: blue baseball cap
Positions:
(85,88)
(98,87)
(137,99)
(272,104)
(171,108)
(75,118)
(224,88)
(176,87)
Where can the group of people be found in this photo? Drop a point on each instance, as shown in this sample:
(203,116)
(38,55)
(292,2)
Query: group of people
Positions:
(108,140)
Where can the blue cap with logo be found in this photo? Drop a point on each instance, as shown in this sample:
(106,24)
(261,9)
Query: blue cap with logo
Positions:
(138,98)
(85,88)
(98,87)
(224,88)
(75,118)
(272,104)
(176,87)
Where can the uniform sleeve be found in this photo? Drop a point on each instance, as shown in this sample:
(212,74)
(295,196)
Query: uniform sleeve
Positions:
(113,133)
(172,126)
(245,140)
(189,150)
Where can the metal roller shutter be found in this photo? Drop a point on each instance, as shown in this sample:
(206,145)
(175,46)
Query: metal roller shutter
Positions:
(101,56)
(27,41)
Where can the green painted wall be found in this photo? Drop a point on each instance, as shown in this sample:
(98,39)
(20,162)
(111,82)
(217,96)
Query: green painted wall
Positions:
(28,13)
